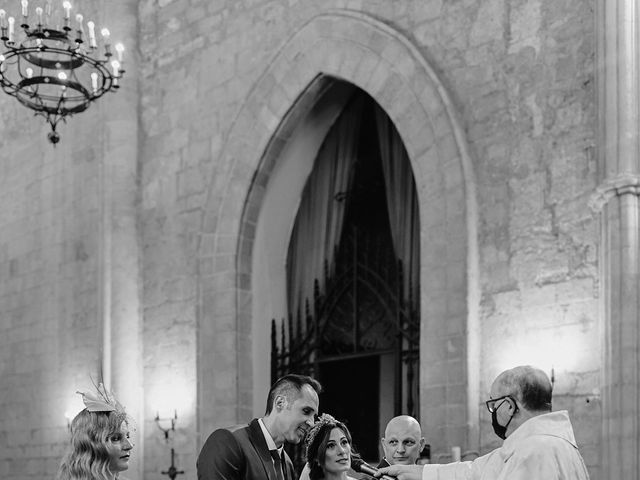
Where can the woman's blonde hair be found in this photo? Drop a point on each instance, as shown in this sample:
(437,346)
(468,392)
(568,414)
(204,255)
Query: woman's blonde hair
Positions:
(88,458)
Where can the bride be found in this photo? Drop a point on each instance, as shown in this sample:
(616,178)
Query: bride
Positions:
(329,450)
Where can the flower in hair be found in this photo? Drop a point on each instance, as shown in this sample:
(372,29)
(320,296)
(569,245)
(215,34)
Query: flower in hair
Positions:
(324,419)
(102,401)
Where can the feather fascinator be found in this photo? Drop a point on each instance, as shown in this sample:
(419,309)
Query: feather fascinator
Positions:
(101,401)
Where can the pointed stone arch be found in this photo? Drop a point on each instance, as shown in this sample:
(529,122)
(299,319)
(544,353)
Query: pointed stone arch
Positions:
(356,49)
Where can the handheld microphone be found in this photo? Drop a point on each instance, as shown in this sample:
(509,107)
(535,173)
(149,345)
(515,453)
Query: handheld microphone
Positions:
(361,467)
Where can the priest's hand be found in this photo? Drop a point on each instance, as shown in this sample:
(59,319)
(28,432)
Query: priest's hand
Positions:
(402,472)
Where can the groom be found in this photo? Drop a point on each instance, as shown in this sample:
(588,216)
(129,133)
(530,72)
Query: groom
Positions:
(255,451)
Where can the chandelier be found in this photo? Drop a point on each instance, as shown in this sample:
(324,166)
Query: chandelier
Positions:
(53,68)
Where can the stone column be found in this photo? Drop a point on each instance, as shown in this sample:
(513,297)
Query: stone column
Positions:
(120,252)
(617,200)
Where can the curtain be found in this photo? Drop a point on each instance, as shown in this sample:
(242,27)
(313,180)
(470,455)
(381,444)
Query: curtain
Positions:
(318,225)
(402,201)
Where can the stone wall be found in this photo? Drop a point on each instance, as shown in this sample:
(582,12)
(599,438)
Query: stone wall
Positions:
(49,288)
(521,79)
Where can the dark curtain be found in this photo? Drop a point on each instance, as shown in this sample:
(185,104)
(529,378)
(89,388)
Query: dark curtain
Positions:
(402,201)
(318,225)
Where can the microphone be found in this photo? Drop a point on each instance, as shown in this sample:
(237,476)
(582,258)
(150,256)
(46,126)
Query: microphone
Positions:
(360,466)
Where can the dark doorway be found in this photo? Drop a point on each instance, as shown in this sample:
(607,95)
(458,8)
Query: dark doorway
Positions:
(351,395)
(353,291)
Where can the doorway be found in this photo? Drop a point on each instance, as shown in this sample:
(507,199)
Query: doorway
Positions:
(350,393)
(352,277)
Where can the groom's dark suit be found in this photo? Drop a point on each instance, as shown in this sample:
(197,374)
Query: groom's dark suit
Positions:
(239,453)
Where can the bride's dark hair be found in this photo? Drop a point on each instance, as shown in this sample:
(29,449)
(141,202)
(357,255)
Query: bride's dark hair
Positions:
(317,440)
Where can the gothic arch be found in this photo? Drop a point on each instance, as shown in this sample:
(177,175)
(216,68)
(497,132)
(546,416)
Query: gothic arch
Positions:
(357,49)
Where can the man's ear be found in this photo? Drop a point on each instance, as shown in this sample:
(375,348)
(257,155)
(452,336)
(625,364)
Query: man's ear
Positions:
(280,402)
(422,442)
(382,442)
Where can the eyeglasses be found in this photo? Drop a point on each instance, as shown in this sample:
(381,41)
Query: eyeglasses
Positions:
(491,404)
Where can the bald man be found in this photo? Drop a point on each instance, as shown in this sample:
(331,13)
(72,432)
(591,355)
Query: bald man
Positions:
(538,444)
(402,441)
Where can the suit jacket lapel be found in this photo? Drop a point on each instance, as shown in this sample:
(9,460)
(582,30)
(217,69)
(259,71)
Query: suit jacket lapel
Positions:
(260,444)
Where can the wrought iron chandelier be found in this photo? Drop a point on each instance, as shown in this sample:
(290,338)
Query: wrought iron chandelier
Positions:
(53,69)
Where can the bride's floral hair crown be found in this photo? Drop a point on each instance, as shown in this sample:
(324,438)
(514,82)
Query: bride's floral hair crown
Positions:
(324,419)
(101,401)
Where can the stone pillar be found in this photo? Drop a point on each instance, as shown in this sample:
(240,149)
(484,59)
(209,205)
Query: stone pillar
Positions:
(617,199)
(120,252)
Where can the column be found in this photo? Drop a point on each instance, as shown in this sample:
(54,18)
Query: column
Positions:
(120,252)
(617,201)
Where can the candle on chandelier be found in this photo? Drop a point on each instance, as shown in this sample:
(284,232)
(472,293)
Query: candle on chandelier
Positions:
(94,82)
(12,21)
(80,30)
(3,19)
(120,51)
(107,46)
(105,35)
(39,15)
(25,10)
(115,65)
(67,14)
(92,34)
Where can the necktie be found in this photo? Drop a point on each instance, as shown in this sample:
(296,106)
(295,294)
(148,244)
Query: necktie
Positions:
(277,463)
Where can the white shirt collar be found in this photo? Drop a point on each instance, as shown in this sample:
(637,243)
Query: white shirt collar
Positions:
(271,444)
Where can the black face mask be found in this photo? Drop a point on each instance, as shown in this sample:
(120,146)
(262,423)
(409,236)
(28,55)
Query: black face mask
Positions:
(500,430)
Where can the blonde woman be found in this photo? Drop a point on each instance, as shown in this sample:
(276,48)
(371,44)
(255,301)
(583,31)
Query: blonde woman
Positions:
(100,444)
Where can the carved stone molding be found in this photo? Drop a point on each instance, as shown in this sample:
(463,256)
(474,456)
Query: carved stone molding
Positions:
(622,184)
(355,48)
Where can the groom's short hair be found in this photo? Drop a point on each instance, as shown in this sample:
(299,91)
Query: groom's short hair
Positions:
(290,386)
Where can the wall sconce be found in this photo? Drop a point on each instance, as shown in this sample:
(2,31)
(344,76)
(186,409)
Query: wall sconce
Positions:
(163,423)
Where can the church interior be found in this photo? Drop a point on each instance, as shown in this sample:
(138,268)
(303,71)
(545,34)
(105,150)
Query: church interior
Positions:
(401,198)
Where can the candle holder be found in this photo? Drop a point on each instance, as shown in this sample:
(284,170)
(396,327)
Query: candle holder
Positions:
(167,424)
(52,70)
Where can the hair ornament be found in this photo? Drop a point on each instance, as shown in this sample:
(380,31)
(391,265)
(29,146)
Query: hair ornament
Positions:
(324,419)
(102,401)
